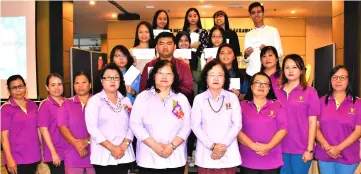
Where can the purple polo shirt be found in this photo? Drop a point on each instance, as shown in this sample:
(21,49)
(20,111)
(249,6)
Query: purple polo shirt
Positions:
(23,131)
(275,81)
(299,105)
(261,127)
(72,115)
(48,110)
(336,125)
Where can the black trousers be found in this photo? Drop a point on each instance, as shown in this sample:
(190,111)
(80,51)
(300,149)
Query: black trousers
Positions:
(26,168)
(113,169)
(190,143)
(245,170)
(56,169)
(179,170)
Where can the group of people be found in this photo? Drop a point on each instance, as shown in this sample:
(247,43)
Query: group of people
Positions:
(273,124)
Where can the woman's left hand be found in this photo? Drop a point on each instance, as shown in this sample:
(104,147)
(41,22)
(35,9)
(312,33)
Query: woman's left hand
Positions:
(307,156)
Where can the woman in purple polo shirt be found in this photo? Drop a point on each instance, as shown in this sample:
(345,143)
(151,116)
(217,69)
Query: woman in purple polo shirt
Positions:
(339,126)
(271,66)
(53,142)
(302,106)
(19,132)
(107,120)
(216,121)
(71,124)
(264,125)
(161,122)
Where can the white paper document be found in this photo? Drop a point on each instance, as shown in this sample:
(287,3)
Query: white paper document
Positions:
(210,52)
(235,83)
(131,74)
(194,37)
(157,31)
(183,53)
(144,53)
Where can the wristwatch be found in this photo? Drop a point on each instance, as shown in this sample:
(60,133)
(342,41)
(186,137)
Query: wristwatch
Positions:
(173,146)
(310,151)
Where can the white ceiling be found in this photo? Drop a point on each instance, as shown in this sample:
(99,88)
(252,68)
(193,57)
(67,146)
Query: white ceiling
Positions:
(92,20)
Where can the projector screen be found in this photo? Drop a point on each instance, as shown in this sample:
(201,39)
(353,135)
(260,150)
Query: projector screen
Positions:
(17,44)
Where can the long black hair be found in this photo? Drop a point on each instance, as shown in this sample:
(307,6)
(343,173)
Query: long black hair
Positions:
(180,35)
(210,44)
(348,88)
(226,22)
(300,65)
(234,62)
(186,22)
(278,66)
(113,66)
(151,34)
(155,17)
(160,64)
(126,53)
(208,67)
(271,94)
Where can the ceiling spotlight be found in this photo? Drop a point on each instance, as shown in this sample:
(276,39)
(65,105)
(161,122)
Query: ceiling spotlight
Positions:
(92,2)
(293,11)
(114,15)
(206,6)
(149,6)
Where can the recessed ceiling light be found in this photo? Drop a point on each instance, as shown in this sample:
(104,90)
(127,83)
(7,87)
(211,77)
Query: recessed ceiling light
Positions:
(92,2)
(235,5)
(206,6)
(114,15)
(149,6)
(293,11)
(203,12)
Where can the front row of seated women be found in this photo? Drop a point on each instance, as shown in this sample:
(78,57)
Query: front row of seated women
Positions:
(272,131)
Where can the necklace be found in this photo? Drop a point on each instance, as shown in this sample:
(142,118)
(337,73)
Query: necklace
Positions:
(116,108)
(219,107)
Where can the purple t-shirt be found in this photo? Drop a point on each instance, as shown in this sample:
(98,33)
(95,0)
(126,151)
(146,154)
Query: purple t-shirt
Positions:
(275,81)
(261,127)
(336,125)
(23,131)
(299,105)
(48,110)
(72,115)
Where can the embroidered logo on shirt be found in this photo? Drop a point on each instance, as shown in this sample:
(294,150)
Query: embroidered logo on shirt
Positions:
(352,111)
(300,99)
(228,106)
(177,110)
(271,113)
(127,109)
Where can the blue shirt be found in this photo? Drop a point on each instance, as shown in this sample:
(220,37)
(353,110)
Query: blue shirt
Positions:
(135,86)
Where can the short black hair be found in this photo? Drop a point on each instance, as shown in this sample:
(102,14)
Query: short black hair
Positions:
(210,44)
(208,67)
(82,73)
(253,5)
(13,78)
(186,22)
(226,22)
(160,64)
(278,66)
(54,75)
(180,35)
(113,66)
(126,53)
(163,35)
(271,94)
(151,34)
(155,17)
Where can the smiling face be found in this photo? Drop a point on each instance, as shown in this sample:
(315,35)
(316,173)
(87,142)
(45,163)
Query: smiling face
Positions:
(217,38)
(220,20)
(215,78)
(162,20)
(260,86)
(164,77)
(339,80)
(292,72)
(55,87)
(17,89)
(184,43)
(143,34)
(257,14)
(226,56)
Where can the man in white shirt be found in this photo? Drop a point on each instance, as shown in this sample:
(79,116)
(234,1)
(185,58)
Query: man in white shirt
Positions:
(262,35)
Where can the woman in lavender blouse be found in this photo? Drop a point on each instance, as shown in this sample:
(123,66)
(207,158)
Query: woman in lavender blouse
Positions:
(216,121)
(161,122)
(107,120)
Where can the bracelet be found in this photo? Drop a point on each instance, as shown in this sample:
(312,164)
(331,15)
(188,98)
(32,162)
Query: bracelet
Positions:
(213,145)
(173,146)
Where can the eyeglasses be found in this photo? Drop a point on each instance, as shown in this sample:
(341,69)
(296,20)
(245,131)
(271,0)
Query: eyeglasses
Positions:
(111,78)
(260,84)
(342,78)
(164,74)
(14,88)
(213,76)
(217,37)
(120,56)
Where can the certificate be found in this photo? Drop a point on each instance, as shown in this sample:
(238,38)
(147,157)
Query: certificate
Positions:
(157,31)
(235,83)
(256,43)
(183,53)
(131,74)
(143,53)
(210,52)
(194,37)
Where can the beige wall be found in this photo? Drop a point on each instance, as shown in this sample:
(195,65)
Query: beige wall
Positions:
(338,29)
(68,39)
